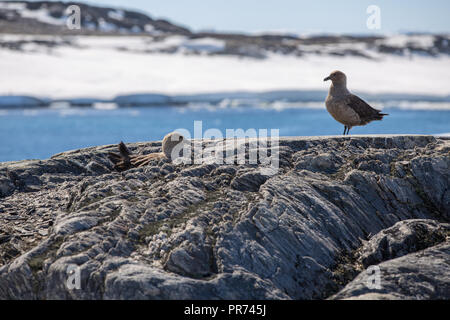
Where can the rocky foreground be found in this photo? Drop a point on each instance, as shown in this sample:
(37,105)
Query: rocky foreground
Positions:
(336,207)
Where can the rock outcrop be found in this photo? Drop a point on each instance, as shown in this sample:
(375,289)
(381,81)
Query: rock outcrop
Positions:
(336,206)
(420,275)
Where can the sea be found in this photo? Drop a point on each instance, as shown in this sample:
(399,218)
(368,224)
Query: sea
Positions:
(42,132)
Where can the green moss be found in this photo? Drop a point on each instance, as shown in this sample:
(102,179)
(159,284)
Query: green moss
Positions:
(133,199)
(212,260)
(115,213)
(150,230)
(36,263)
(172,222)
(393,171)
(345,269)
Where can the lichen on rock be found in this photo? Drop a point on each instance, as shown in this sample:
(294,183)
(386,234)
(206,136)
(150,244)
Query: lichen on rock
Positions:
(207,231)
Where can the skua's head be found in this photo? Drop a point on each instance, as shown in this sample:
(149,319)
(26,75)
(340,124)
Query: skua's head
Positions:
(169,142)
(337,77)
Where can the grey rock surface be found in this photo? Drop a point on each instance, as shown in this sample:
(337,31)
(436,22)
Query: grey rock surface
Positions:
(208,231)
(404,237)
(416,276)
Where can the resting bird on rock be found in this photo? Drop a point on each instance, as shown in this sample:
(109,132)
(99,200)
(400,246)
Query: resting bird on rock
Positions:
(126,160)
(347,108)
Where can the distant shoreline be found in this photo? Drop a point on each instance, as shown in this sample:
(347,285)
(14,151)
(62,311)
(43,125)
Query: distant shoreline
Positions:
(156,99)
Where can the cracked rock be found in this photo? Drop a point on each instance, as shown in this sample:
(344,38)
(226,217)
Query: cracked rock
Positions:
(211,231)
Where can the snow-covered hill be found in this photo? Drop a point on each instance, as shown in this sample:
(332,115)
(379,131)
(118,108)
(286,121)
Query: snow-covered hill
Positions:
(49,17)
(43,17)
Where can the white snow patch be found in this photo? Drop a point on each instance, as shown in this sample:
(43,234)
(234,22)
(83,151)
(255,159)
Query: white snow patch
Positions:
(60,105)
(42,15)
(209,45)
(136,29)
(446,134)
(168,42)
(149,28)
(400,41)
(113,43)
(105,106)
(116,14)
(12,6)
(106,26)
(99,70)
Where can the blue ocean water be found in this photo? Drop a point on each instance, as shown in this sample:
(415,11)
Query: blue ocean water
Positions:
(40,133)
